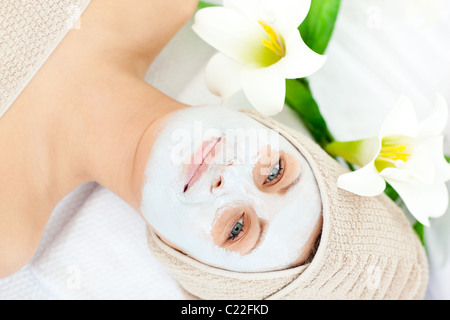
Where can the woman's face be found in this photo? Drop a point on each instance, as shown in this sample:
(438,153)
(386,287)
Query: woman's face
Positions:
(230,192)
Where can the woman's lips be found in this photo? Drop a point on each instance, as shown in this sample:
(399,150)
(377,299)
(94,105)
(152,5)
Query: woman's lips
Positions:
(201,160)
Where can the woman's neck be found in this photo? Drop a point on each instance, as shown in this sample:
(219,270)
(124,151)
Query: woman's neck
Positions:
(119,144)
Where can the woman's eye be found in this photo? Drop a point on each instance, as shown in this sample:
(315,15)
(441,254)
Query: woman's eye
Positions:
(275,173)
(237,229)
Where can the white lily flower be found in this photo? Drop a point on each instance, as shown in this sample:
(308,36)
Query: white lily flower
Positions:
(259,47)
(407,155)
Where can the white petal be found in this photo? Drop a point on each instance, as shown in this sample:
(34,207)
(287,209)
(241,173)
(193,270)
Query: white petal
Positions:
(248,8)
(300,60)
(423,201)
(396,174)
(402,120)
(369,150)
(420,165)
(437,121)
(223,76)
(364,182)
(265,88)
(287,15)
(434,147)
(230,33)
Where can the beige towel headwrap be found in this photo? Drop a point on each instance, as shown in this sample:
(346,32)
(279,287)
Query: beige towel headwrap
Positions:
(367,249)
(30,30)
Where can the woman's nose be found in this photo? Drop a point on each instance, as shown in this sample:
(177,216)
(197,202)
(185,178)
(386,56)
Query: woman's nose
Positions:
(217,184)
(232,179)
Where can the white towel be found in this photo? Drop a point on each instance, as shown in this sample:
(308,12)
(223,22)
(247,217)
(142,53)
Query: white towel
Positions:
(29,32)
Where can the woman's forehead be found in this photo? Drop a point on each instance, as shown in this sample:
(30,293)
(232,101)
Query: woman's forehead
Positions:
(245,134)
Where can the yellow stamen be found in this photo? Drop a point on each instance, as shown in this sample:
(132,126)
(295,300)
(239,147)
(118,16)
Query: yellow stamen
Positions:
(276,43)
(393,153)
(270,45)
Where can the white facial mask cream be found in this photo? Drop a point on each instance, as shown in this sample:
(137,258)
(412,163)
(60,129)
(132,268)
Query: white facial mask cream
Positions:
(186,216)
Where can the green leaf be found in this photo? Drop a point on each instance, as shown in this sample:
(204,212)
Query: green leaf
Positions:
(318,26)
(300,99)
(447,158)
(205,4)
(420,230)
(391,193)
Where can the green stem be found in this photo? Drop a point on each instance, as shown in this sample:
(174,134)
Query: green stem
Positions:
(346,150)
(420,231)
(205,4)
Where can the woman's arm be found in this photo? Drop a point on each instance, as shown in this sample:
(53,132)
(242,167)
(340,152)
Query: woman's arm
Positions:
(82,117)
(144,27)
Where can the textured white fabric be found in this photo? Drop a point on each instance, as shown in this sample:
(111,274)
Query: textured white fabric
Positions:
(95,245)
(93,248)
(29,32)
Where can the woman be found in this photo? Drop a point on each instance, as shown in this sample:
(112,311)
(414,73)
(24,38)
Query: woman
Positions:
(222,200)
